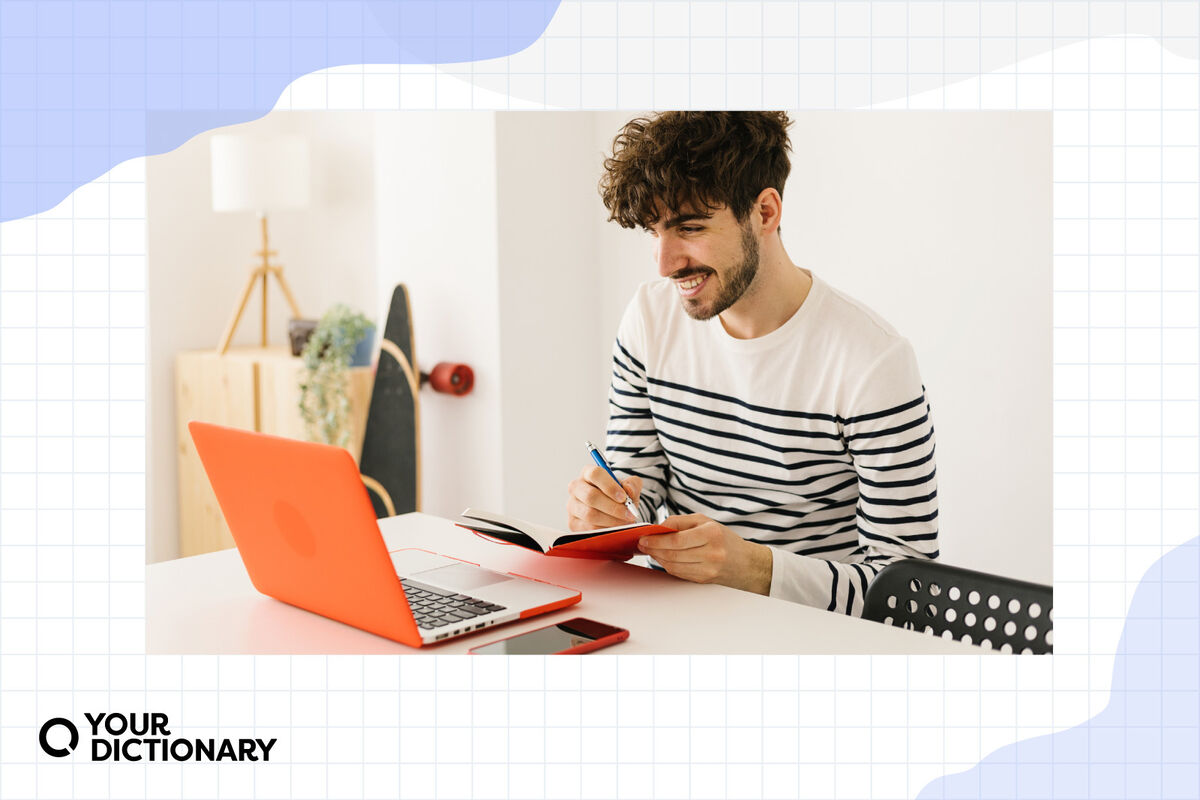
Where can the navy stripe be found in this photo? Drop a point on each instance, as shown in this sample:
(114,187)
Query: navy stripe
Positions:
(827,548)
(816,537)
(754,441)
(764,526)
(646,479)
(833,590)
(628,375)
(862,576)
(906,465)
(912,537)
(900,448)
(720,509)
(716,511)
(874,568)
(897,520)
(746,457)
(737,401)
(897,484)
(908,426)
(919,537)
(783,512)
(706,412)
(757,478)
(640,413)
(907,501)
(641,367)
(768,505)
(887,412)
(639,450)
(888,540)
(623,393)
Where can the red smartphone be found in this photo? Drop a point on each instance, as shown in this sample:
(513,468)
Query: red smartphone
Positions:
(577,635)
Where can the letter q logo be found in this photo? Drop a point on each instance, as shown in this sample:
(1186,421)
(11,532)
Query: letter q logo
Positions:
(44,737)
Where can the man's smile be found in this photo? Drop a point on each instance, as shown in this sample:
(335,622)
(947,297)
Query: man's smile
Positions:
(692,284)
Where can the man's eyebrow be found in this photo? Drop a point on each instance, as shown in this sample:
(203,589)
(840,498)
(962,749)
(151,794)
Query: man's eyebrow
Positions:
(682,218)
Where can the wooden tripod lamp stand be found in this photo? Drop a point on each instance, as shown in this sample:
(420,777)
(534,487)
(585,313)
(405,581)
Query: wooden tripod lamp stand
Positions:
(261,175)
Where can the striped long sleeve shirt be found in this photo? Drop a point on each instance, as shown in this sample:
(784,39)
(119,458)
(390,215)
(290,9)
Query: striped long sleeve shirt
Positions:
(815,439)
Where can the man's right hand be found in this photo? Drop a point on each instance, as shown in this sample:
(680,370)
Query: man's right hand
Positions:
(595,500)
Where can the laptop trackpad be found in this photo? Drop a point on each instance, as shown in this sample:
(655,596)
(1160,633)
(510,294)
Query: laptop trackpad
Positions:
(461,577)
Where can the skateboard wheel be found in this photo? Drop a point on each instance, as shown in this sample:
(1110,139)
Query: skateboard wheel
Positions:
(456,379)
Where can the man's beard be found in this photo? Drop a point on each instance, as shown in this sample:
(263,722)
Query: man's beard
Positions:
(734,283)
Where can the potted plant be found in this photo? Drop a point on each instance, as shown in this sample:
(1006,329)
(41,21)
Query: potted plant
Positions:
(327,355)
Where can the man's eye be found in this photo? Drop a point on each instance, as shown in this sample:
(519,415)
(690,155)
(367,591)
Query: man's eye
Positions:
(690,228)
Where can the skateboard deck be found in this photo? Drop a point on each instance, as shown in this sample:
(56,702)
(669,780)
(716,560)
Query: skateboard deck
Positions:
(391,454)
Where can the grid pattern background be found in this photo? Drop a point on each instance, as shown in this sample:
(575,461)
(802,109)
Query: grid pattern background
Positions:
(1122,81)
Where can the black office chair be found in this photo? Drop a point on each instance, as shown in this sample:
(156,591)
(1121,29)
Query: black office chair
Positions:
(955,603)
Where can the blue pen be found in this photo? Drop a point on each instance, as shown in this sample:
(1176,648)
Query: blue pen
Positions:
(600,462)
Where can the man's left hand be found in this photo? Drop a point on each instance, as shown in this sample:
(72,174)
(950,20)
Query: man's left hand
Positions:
(705,551)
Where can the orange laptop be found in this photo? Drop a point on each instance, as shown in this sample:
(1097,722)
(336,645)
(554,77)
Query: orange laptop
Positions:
(307,534)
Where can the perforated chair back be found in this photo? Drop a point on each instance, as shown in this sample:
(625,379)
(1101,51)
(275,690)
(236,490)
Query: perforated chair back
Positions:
(974,607)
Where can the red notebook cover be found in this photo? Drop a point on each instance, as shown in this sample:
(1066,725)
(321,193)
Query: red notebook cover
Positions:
(613,546)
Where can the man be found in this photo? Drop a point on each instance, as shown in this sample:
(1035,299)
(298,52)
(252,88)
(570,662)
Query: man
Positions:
(779,425)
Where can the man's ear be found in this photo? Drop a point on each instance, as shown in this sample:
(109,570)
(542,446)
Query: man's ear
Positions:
(768,208)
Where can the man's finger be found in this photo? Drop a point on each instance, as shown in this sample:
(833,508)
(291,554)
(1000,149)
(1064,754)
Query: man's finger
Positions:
(595,517)
(682,522)
(591,496)
(597,477)
(680,540)
(633,487)
(692,555)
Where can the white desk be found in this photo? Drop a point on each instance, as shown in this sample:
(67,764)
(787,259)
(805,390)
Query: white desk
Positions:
(206,604)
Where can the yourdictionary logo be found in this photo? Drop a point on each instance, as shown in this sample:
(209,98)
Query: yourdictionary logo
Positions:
(145,737)
(44,737)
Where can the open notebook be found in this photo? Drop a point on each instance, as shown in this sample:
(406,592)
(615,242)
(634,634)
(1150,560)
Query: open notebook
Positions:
(619,543)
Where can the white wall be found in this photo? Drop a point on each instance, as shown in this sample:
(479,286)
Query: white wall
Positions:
(436,201)
(550,278)
(199,261)
(491,221)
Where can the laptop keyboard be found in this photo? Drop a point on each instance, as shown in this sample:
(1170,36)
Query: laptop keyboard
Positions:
(436,608)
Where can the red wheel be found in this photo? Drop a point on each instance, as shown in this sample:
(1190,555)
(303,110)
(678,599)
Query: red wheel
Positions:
(456,379)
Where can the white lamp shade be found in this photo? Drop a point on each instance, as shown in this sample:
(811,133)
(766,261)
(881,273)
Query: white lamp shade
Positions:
(259,174)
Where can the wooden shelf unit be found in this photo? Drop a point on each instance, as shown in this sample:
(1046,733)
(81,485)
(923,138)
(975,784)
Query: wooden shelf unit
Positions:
(254,389)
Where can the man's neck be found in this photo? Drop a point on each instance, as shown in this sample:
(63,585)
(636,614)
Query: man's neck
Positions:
(778,291)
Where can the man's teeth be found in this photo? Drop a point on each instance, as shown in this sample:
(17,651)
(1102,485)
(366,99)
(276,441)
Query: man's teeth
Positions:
(690,283)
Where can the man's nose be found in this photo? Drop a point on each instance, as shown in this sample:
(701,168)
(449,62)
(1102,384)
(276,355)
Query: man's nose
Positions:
(669,255)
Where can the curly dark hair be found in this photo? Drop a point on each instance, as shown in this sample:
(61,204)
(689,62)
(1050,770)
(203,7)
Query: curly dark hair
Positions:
(702,160)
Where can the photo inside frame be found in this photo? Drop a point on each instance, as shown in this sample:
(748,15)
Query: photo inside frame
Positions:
(938,223)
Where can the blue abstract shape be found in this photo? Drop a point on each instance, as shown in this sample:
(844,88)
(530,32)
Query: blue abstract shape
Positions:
(79,79)
(1146,741)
